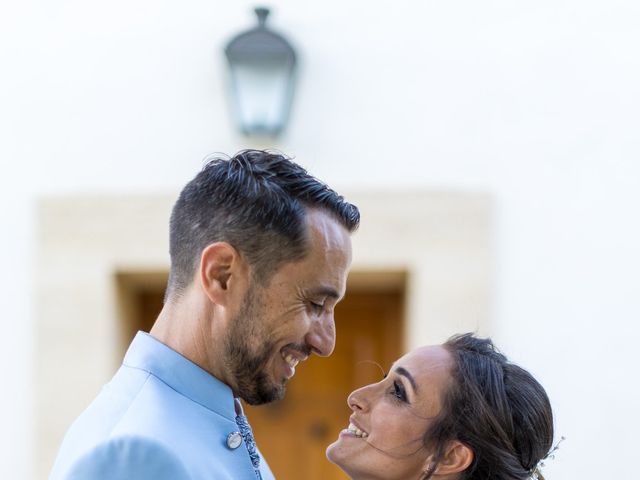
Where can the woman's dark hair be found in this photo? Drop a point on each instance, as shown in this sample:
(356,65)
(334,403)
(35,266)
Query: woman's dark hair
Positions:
(257,202)
(495,408)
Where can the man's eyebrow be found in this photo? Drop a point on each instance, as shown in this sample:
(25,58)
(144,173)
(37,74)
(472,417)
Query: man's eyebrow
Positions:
(324,291)
(405,373)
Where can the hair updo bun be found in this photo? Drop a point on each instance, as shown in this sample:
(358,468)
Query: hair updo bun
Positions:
(495,408)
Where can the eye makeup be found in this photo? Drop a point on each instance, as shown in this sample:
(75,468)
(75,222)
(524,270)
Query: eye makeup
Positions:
(399,392)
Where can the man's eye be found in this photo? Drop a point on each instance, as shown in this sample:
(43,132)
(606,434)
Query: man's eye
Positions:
(317,307)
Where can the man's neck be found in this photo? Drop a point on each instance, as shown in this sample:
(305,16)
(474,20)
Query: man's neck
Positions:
(186,325)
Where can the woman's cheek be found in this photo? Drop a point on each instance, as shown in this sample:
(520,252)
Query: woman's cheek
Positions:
(385,427)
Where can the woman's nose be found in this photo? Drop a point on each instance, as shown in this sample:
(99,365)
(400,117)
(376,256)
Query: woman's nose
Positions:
(356,400)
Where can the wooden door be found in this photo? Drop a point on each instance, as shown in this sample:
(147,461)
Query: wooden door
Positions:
(294,433)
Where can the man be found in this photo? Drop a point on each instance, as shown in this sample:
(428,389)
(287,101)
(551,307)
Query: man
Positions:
(259,257)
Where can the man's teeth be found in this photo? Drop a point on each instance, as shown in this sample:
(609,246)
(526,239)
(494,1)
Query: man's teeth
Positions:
(356,431)
(290,360)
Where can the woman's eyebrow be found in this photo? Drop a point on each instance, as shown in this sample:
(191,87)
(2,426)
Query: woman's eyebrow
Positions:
(405,373)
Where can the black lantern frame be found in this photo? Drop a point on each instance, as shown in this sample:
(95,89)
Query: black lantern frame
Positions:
(262,66)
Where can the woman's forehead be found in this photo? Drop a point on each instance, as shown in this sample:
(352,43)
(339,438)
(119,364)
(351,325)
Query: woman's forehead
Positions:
(428,362)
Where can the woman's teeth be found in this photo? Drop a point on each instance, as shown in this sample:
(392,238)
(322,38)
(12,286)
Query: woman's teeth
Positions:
(356,431)
(290,360)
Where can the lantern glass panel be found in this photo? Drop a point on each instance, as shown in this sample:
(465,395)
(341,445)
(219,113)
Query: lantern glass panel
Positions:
(262,91)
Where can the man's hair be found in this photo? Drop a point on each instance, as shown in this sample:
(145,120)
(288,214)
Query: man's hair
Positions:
(495,408)
(256,201)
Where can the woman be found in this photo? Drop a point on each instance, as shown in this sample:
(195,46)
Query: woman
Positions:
(458,411)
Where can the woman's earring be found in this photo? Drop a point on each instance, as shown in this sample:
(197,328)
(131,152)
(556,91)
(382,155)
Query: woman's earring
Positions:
(428,472)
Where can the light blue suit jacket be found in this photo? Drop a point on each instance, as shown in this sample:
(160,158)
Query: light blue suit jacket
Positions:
(160,418)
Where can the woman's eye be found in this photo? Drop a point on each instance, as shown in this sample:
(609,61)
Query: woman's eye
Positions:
(399,392)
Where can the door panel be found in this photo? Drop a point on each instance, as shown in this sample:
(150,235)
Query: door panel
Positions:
(294,433)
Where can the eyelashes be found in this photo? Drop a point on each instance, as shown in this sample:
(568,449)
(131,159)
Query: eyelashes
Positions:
(399,391)
(316,307)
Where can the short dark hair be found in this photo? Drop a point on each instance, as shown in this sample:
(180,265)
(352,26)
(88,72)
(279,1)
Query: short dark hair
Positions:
(495,408)
(256,201)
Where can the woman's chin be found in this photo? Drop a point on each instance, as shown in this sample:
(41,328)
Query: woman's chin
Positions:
(337,454)
(331,451)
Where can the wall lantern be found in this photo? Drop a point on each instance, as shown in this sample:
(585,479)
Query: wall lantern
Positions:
(262,65)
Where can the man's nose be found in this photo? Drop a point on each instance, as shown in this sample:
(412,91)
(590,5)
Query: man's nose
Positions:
(321,337)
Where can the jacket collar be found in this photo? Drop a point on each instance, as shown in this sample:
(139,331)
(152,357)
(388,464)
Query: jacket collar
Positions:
(181,374)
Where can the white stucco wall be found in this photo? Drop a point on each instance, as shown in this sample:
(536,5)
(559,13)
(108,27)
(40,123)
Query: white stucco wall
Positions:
(535,103)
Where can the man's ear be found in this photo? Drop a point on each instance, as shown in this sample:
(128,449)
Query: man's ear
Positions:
(221,269)
(457,458)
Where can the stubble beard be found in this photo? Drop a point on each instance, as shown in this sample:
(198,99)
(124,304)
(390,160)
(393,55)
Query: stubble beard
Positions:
(247,365)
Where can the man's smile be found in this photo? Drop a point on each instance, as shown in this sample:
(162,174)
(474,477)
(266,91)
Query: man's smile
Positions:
(291,358)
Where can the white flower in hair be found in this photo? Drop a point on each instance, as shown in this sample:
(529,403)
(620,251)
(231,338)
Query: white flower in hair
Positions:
(536,472)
